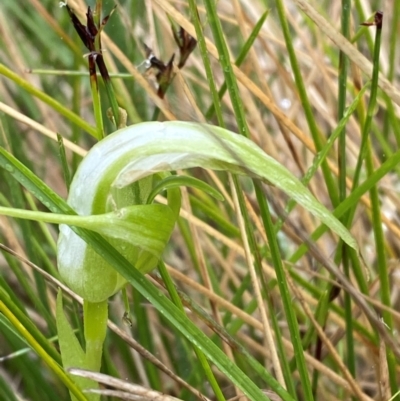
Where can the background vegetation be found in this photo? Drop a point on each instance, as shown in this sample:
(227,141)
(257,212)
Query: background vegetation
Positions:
(294,87)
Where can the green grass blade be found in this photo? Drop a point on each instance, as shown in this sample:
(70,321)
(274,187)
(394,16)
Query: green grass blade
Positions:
(343,256)
(241,57)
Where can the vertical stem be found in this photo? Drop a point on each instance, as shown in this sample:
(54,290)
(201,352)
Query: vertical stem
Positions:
(94,88)
(95,317)
(206,61)
(376,213)
(343,66)
(285,294)
(94,85)
(389,115)
(382,271)
(308,111)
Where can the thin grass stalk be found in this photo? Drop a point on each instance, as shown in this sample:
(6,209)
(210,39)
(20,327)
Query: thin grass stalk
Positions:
(366,124)
(224,59)
(309,114)
(256,276)
(286,296)
(97,22)
(94,89)
(384,143)
(392,120)
(109,89)
(101,64)
(393,40)
(206,62)
(362,17)
(320,315)
(112,99)
(376,212)
(78,74)
(285,365)
(284,361)
(344,256)
(382,271)
(76,108)
(241,57)
(390,117)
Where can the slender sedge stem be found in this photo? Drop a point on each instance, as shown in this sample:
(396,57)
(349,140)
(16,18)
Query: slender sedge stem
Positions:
(344,256)
(309,114)
(376,212)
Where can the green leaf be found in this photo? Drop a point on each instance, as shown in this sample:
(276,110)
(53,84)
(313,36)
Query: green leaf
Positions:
(145,226)
(147,148)
(139,232)
(71,351)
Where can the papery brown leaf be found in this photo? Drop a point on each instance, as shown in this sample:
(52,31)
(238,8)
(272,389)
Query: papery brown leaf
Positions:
(164,78)
(82,30)
(91,26)
(186,44)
